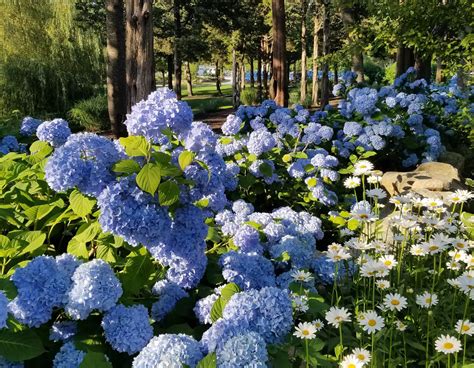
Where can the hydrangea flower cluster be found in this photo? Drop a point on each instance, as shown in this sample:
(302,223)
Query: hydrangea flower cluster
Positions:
(169,294)
(94,287)
(63,331)
(29,126)
(3,310)
(267,312)
(171,351)
(127,329)
(55,132)
(160,111)
(68,356)
(42,286)
(247,350)
(8,144)
(84,161)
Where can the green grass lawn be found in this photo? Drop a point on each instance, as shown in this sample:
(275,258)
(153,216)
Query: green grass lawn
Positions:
(206,99)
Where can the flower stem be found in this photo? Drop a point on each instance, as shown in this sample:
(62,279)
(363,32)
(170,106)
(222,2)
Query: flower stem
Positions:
(307,353)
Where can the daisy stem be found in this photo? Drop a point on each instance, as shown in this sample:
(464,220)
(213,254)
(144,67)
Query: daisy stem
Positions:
(372,348)
(340,337)
(307,353)
(466,305)
(363,187)
(427,340)
(449,360)
(464,350)
(373,294)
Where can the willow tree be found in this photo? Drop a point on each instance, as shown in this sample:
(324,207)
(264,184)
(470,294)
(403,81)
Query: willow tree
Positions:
(47,62)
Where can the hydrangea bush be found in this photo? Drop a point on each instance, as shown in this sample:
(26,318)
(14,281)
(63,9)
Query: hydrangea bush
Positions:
(260,247)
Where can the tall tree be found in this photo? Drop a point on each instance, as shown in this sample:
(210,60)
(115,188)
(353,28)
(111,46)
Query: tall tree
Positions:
(116,78)
(177,48)
(325,66)
(316,32)
(139,51)
(304,8)
(351,16)
(279,67)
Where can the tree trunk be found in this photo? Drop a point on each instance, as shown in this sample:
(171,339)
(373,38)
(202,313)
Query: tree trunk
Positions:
(116,78)
(242,74)
(265,68)
(235,81)
(405,59)
(325,77)
(349,18)
(423,67)
(259,75)
(279,68)
(439,71)
(163,78)
(303,89)
(170,71)
(252,77)
(189,79)
(177,62)
(218,79)
(336,75)
(315,84)
(139,51)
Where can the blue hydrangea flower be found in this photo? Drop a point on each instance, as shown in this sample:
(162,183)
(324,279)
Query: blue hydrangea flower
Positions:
(85,162)
(7,364)
(247,239)
(134,215)
(352,128)
(220,332)
(10,143)
(267,311)
(249,271)
(203,307)
(95,287)
(200,138)
(127,329)
(169,294)
(325,270)
(232,125)
(410,161)
(300,251)
(42,285)
(260,141)
(29,126)
(68,356)
(3,310)
(247,350)
(62,331)
(161,110)
(171,351)
(55,132)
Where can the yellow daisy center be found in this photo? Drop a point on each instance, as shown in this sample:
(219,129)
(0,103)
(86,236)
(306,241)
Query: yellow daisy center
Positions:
(371,322)
(395,302)
(448,345)
(428,300)
(465,328)
(352,365)
(305,332)
(388,263)
(433,247)
(361,356)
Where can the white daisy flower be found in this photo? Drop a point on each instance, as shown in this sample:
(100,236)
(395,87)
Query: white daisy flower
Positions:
(395,302)
(352,182)
(466,283)
(371,322)
(383,284)
(363,215)
(432,203)
(376,193)
(460,196)
(400,326)
(426,300)
(300,302)
(418,250)
(465,327)
(362,354)
(363,167)
(336,316)
(388,261)
(301,276)
(305,330)
(351,361)
(374,179)
(318,324)
(447,344)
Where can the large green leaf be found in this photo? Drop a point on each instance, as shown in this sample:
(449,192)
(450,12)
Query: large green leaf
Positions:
(137,272)
(126,166)
(20,345)
(95,359)
(81,204)
(219,305)
(148,179)
(168,193)
(185,158)
(209,361)
(135,146)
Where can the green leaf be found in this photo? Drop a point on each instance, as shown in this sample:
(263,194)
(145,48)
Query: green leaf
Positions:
(266,170)
(81,204)
(95,359)
(137,271)
(280,359)
(352,224)
(217,310)
(168,193)
(209,361)
(78,249)
(185,158)
(135,146)
(126,166)
(20,345)
(34,239)
(149,177)
(286,158)
(202,203)
(219,305)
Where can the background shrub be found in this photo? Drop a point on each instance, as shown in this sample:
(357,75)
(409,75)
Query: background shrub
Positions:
(90,114)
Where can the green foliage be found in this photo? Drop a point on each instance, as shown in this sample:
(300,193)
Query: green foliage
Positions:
(90,114)
(248,96)
(47,62)
(374,73)
(390,73)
